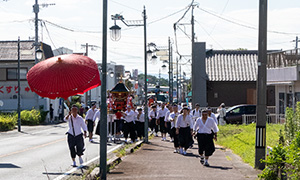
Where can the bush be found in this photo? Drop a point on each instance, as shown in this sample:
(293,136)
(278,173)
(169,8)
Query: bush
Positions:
(7,122)
(32,117)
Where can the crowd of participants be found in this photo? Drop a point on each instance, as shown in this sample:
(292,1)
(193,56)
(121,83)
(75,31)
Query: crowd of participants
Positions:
(176,124)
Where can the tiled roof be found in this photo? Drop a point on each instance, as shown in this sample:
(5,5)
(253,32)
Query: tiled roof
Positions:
(223,65)
(9,50)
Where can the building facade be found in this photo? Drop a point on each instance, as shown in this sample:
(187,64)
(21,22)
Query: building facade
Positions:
(9,75)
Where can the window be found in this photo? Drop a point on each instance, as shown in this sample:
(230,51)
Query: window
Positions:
(12,74)
(237,110)
(251,110)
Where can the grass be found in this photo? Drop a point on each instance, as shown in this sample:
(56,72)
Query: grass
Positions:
(241,139)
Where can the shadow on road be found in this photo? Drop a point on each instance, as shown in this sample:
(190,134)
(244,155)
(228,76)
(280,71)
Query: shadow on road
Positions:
(219,167)
(116,172)
(192,155)
(8,165)
(149,149)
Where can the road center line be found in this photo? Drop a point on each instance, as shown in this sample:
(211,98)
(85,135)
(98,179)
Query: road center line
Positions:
(31,148)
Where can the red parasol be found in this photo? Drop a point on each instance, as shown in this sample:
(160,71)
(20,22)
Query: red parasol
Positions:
(64,76)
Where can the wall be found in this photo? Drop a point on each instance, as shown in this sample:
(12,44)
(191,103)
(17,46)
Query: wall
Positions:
(230,93)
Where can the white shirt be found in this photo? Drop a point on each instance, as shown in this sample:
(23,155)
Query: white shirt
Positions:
(173,118)
(78,124)
(129,116)
(167,118)
(141,118)
(183,123)
(90,114)
(153,114)
(97,115)
(162,113)
(196,113)
(207,127)
(213,116)
(222,112)
(135,115)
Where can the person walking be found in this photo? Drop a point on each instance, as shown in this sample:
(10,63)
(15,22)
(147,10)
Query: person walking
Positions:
(222,114)
(212,115)
(161,121)
(173,119)
(184,128)
(206,130)
(75,135)
(167,120)
(196,113)
(89,119)
(140,123)
(153,121)
(51,113)
(129,124)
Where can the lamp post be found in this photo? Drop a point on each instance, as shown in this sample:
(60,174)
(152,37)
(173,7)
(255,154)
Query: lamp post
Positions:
(116,35)
(103,122)
(19,104)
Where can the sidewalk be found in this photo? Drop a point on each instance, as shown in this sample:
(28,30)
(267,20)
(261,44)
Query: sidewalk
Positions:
(156,160)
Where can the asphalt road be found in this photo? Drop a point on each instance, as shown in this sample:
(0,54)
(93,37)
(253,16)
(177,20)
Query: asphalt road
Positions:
(40,152)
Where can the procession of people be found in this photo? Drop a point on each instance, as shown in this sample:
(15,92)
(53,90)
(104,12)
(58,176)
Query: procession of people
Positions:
(179,125)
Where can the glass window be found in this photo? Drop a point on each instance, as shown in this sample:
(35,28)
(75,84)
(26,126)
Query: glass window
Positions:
(12,74)
(251,110)
(237,110)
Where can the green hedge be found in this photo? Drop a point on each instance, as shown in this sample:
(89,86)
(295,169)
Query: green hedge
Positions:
(33,117)
(7,122)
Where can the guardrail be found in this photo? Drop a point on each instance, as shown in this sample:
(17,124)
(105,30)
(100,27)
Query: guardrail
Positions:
(271,118)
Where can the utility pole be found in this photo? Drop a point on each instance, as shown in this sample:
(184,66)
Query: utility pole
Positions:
(177,93)
(260,142)
(146,89)
(296,41)
(193,58)
(169,44)
(180,84)
(86,97)
(103,121)
(36,44)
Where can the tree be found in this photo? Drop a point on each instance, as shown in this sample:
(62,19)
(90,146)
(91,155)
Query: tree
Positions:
(128,84)
(154,80)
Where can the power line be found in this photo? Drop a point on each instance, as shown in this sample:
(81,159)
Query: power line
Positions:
(208,34)
(220,14)
(125,5)
(49,35)
(69,29)
(244,25)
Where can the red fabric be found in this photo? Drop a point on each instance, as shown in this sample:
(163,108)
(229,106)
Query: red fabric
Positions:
(118,115)
(73,74)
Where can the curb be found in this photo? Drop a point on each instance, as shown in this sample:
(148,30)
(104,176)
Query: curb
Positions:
(114,161)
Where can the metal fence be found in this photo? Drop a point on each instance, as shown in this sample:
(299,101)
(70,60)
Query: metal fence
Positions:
(271,118)
(270,109)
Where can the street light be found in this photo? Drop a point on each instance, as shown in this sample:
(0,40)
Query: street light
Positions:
(111,74)
(115,32)
(113,36)
(39,54)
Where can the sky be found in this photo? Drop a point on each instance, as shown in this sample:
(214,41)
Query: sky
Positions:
(222,24)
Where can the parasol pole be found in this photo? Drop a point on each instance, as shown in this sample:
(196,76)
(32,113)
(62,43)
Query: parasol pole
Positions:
(103,119)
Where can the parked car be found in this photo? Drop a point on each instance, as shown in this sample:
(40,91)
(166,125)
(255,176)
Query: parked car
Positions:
(235,113)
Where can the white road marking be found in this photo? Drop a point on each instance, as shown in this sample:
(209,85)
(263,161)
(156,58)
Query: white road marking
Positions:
(84,164)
